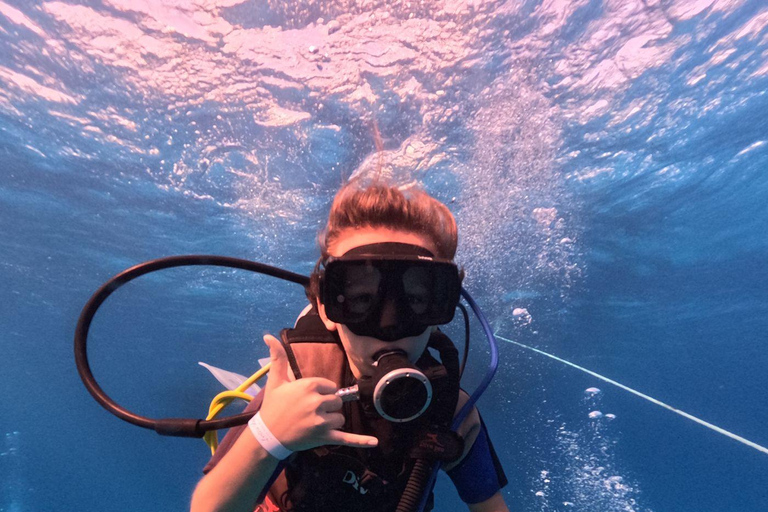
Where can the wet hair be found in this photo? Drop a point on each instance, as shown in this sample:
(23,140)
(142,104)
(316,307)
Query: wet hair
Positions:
(378,205)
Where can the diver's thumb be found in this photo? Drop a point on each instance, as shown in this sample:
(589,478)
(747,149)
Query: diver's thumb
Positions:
(278,371)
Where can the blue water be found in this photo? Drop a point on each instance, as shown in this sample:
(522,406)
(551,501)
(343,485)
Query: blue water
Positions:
(605,161)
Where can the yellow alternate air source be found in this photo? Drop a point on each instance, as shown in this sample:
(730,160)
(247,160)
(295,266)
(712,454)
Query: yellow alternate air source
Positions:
(224,398)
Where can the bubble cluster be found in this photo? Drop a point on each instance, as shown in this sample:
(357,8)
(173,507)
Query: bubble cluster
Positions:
(522,317)
(586,475)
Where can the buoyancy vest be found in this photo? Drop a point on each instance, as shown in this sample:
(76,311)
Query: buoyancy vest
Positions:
(334,478)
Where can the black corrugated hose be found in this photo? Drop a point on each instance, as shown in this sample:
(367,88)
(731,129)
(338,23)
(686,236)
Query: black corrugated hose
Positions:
(445,405)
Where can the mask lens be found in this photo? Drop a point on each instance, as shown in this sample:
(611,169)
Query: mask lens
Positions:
(360,290)
(418,286)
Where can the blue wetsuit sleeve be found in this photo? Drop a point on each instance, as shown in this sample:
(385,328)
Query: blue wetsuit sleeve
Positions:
(479,475)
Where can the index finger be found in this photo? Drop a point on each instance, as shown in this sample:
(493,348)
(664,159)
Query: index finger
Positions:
(354,440)
(320,385)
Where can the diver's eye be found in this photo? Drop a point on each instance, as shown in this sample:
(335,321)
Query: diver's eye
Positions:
(417,303)
(359,304)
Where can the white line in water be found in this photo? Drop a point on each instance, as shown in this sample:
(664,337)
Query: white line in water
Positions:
(646,397)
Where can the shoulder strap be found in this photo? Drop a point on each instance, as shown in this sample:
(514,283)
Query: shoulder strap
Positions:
(313,350)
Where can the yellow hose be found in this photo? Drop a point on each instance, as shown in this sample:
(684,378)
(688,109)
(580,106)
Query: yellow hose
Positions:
(224,398)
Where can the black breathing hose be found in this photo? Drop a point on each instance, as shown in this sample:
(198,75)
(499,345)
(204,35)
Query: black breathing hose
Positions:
(444,408)
(181,427)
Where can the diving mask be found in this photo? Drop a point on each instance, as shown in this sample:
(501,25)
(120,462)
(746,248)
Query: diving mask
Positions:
(390,290)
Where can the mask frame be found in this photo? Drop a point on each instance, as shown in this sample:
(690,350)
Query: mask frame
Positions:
(388,291)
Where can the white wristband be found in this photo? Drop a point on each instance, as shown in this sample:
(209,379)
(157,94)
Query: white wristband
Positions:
(267,439)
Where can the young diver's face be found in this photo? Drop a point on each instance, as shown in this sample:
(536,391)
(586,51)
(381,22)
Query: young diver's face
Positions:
(362,349)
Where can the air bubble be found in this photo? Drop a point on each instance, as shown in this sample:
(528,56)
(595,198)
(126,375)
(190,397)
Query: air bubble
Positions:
(522,316)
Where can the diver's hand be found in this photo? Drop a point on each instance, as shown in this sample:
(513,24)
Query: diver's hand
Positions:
(303,413)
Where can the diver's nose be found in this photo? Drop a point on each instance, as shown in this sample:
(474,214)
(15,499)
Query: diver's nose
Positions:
(388,314)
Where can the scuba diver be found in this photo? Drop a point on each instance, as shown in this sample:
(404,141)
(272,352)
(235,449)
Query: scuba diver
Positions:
(384,282)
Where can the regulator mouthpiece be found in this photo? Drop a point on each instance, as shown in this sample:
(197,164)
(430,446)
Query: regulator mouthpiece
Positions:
(400,392)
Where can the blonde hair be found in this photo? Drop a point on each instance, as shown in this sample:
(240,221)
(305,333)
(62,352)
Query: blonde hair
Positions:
(378,205)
